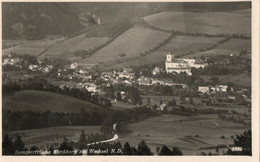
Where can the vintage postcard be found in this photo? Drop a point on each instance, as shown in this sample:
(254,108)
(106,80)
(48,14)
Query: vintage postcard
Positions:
(135,80)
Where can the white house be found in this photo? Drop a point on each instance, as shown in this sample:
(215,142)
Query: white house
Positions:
(91,87)
(33,67)
(221,88)
(203,89)
(74,65)
(156,71)
(126,75)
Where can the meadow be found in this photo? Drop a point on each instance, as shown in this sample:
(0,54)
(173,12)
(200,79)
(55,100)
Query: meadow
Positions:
(189,133)
(203,22)
(197,103)
(132,43)
(242,80)
(178,45)
(45,136)
(40,101)
(68,47)
(30,47)
(227,48)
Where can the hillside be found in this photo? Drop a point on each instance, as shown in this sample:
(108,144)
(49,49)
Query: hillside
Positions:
(42,101)
(36,20)
(69,47)
(213,23)
(29,20)
(131,43)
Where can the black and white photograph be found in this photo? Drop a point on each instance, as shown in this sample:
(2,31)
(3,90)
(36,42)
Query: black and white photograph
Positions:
(127,79)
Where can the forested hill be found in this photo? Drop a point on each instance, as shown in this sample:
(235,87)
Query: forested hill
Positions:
(25,20)
(36,20)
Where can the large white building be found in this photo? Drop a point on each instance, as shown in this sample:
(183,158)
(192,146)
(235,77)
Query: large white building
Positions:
(179,65)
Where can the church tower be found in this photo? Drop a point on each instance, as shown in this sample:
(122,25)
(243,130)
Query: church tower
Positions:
(169,57)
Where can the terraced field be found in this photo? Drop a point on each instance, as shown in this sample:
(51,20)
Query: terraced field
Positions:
(203,22)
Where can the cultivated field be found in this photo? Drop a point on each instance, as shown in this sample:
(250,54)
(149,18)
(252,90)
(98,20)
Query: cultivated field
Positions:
(232,46)
(170,130)
(203,22)
(132,43)
(197,103)
(35,47)
(178,45)
(45,136)
(42,101)
(243,80)
(67,48)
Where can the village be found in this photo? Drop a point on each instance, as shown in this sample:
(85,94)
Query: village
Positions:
(104,83)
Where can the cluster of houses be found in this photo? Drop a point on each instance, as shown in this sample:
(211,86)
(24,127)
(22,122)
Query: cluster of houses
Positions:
(153,81)
(41,68)
(213,89)
(126,76)
(11,61)
(181,65)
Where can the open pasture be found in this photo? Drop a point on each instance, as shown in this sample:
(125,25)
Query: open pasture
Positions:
(132,43)
(173,130)
(243,80)
(40,101)
(178,45)
(45,136)
(35,47)
(67,48)
(203,22)
(227,48)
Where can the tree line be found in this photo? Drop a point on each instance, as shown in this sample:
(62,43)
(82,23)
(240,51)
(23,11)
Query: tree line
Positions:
(41,85)
(10,146)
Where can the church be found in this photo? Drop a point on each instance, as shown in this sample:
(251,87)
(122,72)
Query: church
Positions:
(179,65)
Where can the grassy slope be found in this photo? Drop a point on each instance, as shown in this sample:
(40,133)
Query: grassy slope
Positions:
(44,136)
(232,46)
(178,44)
(132,43)
(30,47)
(42,101)
(68,47)
(167,129)
(209,22)
(243,80)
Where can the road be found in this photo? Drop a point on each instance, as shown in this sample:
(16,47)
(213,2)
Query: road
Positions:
(115,137)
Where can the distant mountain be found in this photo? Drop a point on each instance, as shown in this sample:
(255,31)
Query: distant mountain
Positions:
(34,20)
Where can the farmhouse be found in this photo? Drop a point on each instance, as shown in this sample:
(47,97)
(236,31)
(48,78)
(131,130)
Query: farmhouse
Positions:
(156,71)
(126,75)
(144,81)
(213,89)
(221,88)
(33,67)
(74,65)
(91,87)
(11,61)
(203,89)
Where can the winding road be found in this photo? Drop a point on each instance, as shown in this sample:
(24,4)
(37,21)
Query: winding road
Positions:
(115,137)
